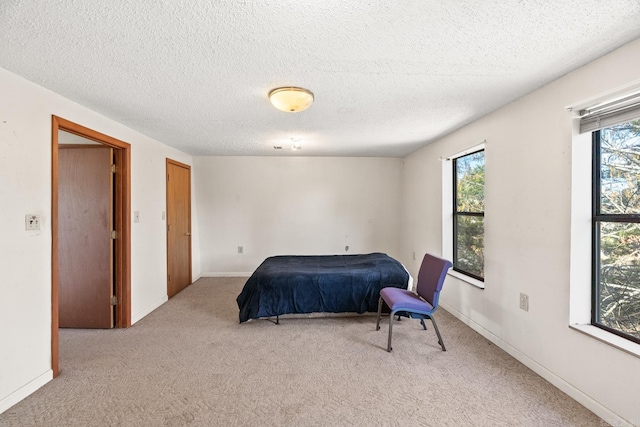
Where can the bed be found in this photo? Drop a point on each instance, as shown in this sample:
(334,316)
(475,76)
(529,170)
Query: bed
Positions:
(319,284)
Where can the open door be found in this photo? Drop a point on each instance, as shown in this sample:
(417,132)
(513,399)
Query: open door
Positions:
(85,244)
(178,227)
(121,270)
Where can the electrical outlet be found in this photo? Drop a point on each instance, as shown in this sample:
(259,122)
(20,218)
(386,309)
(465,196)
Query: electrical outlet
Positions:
(524,302)
(240,249)
(32,222)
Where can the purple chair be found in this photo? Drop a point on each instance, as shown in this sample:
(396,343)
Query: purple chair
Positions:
(406,303)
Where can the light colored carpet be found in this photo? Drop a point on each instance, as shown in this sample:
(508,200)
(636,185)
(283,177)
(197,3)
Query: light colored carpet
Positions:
(191,363)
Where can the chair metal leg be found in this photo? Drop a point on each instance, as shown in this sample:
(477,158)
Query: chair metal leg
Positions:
(390,331)
(379,314)
(435,326)
(422,323)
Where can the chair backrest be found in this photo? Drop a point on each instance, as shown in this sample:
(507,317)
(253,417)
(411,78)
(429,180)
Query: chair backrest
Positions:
(431,278)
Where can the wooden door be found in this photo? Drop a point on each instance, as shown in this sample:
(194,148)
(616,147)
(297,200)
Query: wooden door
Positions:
(178,227)
(85,245)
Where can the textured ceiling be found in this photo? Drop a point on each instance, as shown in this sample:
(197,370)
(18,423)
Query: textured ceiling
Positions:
(388,77)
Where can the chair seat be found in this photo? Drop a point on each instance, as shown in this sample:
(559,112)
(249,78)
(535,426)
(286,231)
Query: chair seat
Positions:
(402,299)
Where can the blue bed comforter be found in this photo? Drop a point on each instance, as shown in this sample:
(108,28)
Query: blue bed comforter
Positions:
(315,284)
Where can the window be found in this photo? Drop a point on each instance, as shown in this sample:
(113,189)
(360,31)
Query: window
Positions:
(616,230)
(468,214)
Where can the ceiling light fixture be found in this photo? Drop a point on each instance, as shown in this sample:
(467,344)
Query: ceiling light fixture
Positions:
(291,99)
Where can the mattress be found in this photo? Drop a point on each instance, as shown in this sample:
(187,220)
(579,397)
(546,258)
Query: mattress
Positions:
(319,284)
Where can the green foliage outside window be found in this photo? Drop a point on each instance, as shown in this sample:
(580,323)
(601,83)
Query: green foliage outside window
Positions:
(469,214)
(618,259)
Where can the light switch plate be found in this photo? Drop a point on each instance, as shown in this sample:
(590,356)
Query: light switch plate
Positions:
(32,222)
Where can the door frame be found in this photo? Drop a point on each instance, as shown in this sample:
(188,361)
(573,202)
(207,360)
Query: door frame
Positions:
(187,167)
(122,225)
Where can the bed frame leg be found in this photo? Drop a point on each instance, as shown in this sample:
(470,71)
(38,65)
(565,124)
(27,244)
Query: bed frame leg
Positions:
(270,319)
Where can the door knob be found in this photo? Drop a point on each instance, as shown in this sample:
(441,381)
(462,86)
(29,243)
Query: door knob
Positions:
(187,234)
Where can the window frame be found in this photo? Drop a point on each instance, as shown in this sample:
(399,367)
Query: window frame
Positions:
(597,217)
(457,214)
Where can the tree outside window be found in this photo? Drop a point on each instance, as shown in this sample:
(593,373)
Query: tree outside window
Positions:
(468,214)
(616,228)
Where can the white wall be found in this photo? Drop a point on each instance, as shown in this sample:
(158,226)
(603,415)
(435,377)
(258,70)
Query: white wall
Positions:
(294,205)
(25,256)
(527,237)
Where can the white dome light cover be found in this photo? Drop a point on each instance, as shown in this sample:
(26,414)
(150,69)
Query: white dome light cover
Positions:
(291,99)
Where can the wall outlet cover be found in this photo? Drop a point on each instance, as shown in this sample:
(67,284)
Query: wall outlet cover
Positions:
(524,302)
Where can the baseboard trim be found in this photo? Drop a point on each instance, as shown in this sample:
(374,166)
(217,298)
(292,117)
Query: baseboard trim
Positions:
(226,274)
(25,390)
(148,309)
(588,402)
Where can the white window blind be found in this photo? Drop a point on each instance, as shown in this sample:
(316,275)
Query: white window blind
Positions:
(610,113)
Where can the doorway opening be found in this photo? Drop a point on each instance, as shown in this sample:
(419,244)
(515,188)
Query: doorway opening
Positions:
(121,227)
